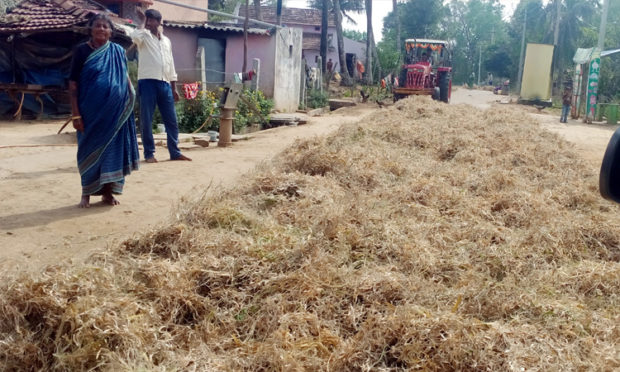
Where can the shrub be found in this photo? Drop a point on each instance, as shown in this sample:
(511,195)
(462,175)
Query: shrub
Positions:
(255,110)
(195,112)
(317,98)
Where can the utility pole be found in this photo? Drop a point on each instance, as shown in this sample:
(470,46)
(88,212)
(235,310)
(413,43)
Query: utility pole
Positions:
(522,56)
(479,62)
(601,31)
(595,68)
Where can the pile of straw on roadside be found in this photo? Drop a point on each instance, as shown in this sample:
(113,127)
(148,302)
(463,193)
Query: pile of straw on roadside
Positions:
(428,236)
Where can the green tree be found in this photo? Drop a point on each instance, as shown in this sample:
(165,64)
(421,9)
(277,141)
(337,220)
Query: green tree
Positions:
(420,18)
(477,29)
(609,88)
(355,35)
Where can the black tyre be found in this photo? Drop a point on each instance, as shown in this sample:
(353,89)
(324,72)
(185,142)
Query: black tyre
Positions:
(402,77)
(444,87)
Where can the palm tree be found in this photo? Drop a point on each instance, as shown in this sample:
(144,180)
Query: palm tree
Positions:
(344,6)
(344,72)
(324,25)
(257,10)
(370,43)
(397,17)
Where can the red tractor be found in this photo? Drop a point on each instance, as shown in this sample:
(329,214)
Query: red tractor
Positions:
(427,70)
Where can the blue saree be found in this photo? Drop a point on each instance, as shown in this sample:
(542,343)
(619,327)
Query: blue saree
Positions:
(107,148)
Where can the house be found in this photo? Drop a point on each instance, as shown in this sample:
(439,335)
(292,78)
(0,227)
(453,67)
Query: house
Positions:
(217,49)
(127,9)
(212,52)
(309,20)
(37,38)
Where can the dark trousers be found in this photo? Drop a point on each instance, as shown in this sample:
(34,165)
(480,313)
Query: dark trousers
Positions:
(565,111)
(157,93)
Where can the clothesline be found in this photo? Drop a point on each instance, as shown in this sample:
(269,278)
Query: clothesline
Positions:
(206,69)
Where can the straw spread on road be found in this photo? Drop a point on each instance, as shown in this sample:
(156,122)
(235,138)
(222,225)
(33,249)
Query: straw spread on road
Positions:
(428,236)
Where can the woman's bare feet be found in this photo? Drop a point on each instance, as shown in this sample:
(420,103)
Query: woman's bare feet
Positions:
(85,201)
(109,199)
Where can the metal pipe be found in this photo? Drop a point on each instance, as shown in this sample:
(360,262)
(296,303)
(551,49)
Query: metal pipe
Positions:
(209,11)
(226,119)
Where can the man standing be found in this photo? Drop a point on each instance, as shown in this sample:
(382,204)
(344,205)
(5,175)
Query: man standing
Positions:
(566,102)
(156,84)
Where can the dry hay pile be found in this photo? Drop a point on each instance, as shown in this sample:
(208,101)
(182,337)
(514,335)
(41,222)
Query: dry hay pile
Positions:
(430,236)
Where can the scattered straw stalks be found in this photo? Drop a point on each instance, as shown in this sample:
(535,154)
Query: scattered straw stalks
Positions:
(430,236)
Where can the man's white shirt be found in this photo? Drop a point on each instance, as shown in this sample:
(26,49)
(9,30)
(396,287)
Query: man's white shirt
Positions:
(155,56)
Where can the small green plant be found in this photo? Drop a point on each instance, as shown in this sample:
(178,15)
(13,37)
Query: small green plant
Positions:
(317,98)
(194,112)
(254,108)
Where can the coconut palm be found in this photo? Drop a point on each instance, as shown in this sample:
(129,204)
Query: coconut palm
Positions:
(339,9)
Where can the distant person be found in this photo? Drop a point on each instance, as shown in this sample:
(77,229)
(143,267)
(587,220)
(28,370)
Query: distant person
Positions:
(102,100)
(566,103)
(156,84)
(424,58)
(490,78)
(360,69)
(330,66)
(472,79)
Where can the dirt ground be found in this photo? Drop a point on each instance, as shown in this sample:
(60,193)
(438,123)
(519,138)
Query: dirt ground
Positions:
(40,186)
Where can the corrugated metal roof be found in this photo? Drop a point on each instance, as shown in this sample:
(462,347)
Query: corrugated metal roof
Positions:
(215,27)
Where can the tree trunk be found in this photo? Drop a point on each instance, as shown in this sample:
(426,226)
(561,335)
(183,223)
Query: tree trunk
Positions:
(279,12)
(556,50)
(344,72)
(257,10)
(399,46)
(324,25)
(369,41)
(376,61)
(245,35)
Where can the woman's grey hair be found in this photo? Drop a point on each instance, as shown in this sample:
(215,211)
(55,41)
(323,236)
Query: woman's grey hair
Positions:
(102,16)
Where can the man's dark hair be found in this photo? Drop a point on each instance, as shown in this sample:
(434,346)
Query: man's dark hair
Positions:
(152,13)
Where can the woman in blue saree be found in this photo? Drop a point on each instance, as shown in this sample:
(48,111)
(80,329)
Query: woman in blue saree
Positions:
(102,100)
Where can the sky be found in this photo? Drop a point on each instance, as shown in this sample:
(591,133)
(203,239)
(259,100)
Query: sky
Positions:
(380,9)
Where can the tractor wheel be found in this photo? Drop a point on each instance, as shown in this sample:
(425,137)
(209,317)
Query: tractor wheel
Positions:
(402,78)
(444,87)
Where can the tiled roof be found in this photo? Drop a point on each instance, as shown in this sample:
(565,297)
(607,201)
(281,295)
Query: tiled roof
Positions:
(215,27)
(38,15)
(290,16)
